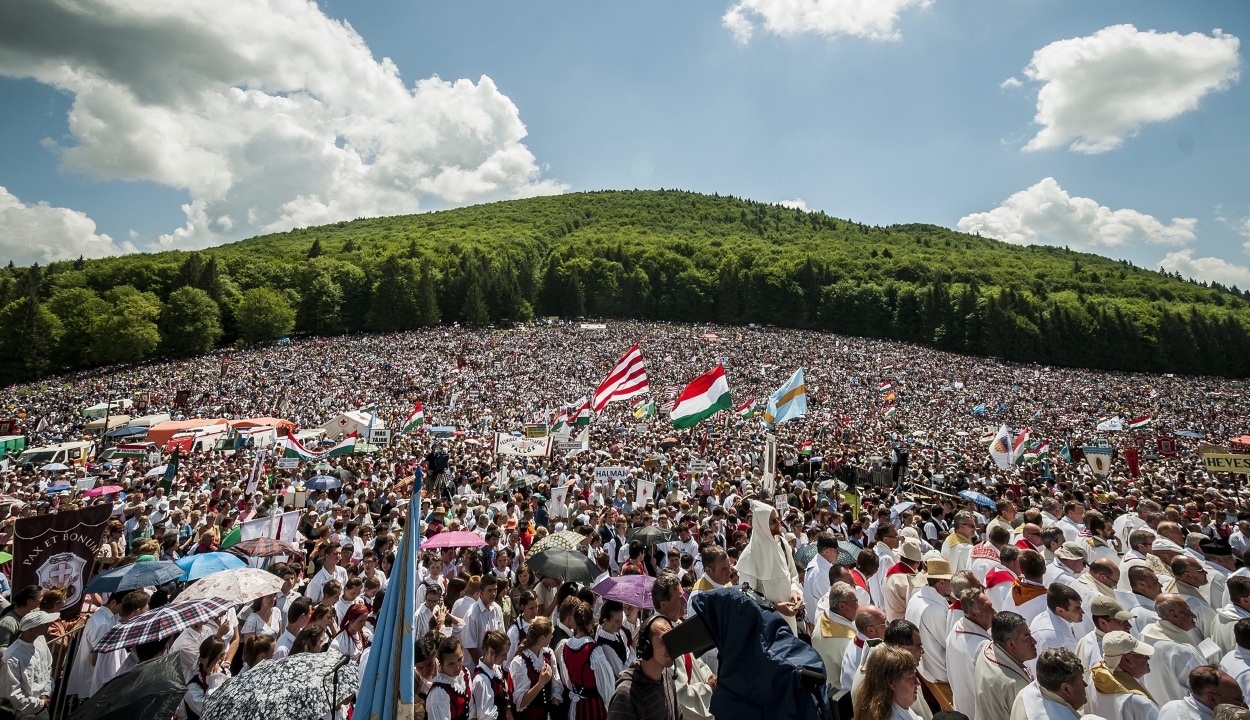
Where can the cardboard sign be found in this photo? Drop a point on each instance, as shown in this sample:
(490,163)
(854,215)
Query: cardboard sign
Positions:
(1226,462)
(380,436)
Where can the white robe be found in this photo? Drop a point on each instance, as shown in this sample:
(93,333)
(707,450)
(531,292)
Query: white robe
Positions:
(1237,664)
(27,675)
(1186,708)
(767,564)
(1122,706)
(998,678)
(100,622)
(1225,618)
(1171,664)
(1050,631)
(1034,703)
(927,610)
(963,645)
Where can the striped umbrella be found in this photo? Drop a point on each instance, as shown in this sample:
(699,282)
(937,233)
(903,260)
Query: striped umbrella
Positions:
(160,623)
(264,547)
(564,540)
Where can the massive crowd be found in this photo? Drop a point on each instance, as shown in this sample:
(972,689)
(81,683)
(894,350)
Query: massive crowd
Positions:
(1056,593)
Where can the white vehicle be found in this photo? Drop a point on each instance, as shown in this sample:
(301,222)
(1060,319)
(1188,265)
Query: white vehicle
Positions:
(115,407)
(201,439)
(70,454)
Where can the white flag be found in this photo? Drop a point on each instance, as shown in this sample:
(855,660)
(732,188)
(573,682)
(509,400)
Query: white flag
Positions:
(1000,448)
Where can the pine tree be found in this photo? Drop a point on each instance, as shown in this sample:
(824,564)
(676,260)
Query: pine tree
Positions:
(315,250)
(574,299)
(427,298)
(475,311)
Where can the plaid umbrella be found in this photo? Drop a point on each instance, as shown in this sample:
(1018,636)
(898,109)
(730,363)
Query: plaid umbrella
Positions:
(564,540)
(297,687)
(264,547)
(161,623)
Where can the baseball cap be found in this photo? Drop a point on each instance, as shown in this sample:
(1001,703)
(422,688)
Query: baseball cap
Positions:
(1103,606)
(1118,643)
(35,618)
(1071,551)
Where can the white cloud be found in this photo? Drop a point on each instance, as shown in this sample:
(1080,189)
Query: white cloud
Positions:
(1099,89)
(872,19)
(1010,83)
(795,204)
(42,233)
(1211,269)
(268,113)
(1046,213)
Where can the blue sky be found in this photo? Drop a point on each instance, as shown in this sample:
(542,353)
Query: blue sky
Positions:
(905,121)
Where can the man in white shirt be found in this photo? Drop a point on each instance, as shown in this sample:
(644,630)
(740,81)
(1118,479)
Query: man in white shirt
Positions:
(1068,564)
(1053,628)
(298,615)
(964,644)
(100,622)
(927,610)
(870,626)
(816,576)
(1188,575)
(26,676)
(1059,691)
(483,616)
(835,629)
(331,570)
(1115,689)
(1217,558)
(1209,688)
(1138,547)
(1140,600)
(1071,523)
(958,545)
(1237,661)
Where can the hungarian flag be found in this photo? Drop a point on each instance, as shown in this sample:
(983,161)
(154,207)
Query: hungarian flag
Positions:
(988,437)
(1138,422)
(561,421)
(746,409)
(805,447)
(1019,445)
(701,398)
(415,420)
(885,387)
(1037,451)
(293,448)
(889,411)
(582,416)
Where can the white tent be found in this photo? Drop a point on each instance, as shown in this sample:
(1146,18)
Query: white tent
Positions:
(352,422)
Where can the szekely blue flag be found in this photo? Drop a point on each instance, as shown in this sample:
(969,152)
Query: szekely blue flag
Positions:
(789,402)
(389,681)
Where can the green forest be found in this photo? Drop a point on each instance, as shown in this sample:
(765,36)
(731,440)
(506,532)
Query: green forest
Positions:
(661,255)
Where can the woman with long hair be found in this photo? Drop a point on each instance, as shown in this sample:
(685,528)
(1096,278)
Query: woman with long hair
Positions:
(535,685)
(889,687)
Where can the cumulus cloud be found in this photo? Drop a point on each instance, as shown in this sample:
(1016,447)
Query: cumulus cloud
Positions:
(1211,269)
(268,113)
(42,233)
(872,19)
(1047,214)
(1097,90)
(795,204)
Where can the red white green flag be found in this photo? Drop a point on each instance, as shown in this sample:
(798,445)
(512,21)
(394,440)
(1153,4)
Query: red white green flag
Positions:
(701,399)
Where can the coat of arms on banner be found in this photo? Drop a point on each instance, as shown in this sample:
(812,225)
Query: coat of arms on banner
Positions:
(63,570)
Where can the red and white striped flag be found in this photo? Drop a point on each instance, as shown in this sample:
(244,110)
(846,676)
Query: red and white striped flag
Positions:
(626,380)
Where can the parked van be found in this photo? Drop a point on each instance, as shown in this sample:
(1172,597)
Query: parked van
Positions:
(67,453)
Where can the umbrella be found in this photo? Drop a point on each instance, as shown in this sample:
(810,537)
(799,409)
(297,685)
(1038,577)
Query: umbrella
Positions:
(158,470)
(977,498)
(668,442)
(565,539)
(160,623)
(457,539)
(904,507)
(564,565)
(134,576)
(126,431)
(54,467)
(632,590)
(804,555)
(297,687)
(264,547)
(58,488)
(5,557)
(342,473)
(205,564)
(322,467)
(649,535)
(153,689)
(1189,434)
(322,482)
(238,586)
(827,485)
(103,490)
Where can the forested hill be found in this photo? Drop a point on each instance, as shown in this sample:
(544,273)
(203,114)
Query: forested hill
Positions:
(665,255)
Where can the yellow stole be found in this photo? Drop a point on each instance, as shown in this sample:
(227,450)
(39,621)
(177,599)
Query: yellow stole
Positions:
(831,629)
(1117,683)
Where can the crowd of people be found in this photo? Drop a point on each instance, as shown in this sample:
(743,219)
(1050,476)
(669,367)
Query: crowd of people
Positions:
(928,578)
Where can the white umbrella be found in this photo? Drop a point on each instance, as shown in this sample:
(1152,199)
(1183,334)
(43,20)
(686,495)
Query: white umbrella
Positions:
(54,467)
(241,585)
(160,470)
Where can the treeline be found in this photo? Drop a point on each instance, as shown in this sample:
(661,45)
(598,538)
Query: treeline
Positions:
(653,255)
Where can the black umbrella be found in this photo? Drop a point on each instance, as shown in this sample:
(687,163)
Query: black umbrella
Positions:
(649,535)
(150,690)
(564,565)
(342,473)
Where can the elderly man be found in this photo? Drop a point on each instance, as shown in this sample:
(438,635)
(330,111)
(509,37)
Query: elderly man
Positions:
(1000,672)
(1099,580)
(1209,687)
(1059,691)
(897,587)
(958,545)
(1068,564)
(1176,652)
(964,644)
(1117,691)
(1237,661)
(870,626)
(835,629)
(767,563)
(1188,575)
(1054,628)
(1162,552)
(27,672)
(1107,616)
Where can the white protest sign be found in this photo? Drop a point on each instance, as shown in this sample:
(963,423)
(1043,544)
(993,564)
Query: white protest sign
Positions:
(698,466)
(506,444)
(288,463)
(606,475)
(559,496)
(646,491)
